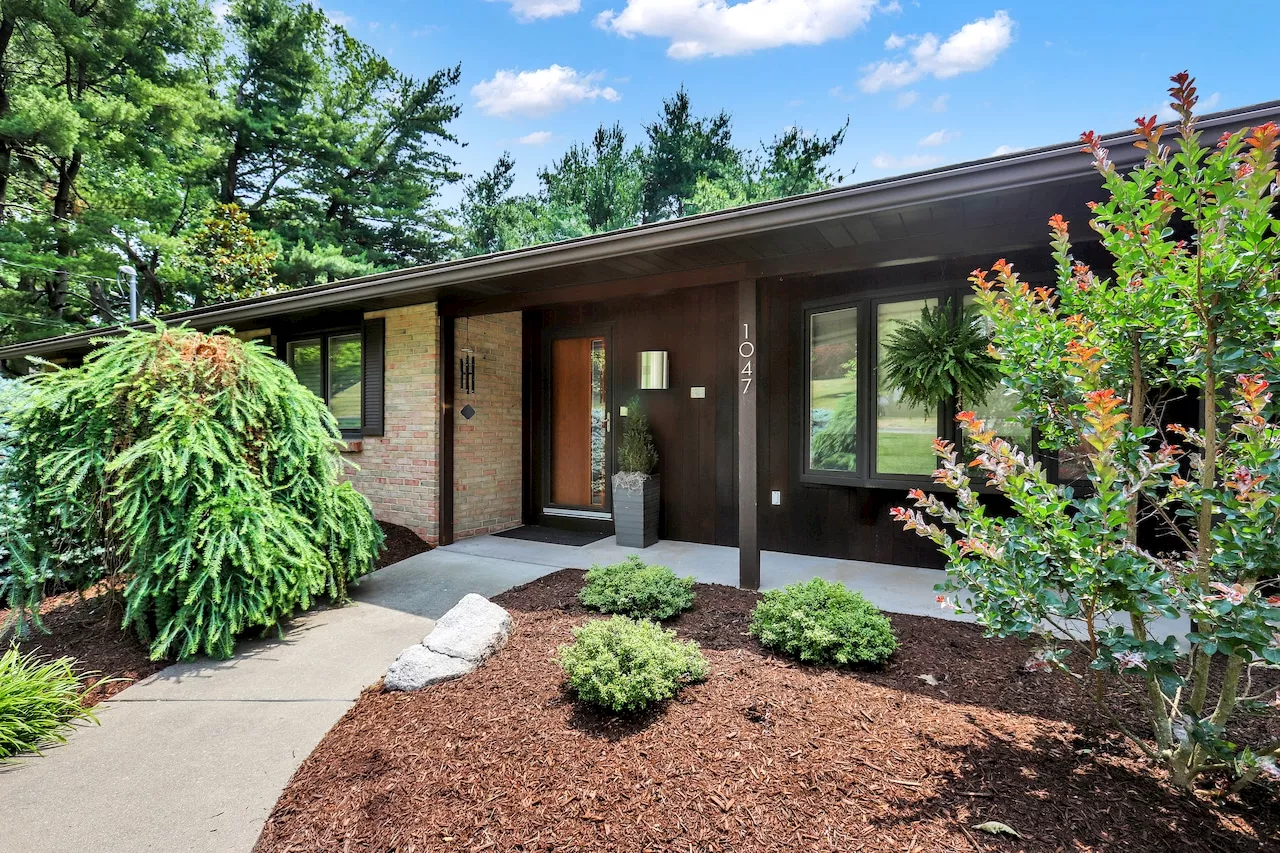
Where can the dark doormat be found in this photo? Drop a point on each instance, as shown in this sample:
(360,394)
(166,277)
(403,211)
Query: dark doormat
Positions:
(553,535)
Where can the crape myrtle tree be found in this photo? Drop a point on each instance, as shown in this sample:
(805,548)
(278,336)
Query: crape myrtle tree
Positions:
(194,469)
(1191,303)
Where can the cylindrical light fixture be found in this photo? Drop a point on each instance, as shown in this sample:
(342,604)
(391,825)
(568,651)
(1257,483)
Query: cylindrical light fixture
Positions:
(654,370)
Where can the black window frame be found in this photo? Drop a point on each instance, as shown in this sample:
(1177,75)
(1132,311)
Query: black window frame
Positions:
(867,302)
(323,336)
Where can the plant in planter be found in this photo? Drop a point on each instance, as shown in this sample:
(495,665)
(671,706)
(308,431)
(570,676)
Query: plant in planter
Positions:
(941,356)
(636,486)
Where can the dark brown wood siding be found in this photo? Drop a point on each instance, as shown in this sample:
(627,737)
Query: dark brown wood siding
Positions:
(695,437)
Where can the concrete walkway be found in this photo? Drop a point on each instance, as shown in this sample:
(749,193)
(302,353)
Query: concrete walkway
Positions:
(194,757)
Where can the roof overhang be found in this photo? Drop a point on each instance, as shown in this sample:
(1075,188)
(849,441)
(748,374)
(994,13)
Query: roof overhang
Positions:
(1012,195)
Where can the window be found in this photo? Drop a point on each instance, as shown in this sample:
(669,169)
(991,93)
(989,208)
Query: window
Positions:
(904,433)
(330,366)
(833,390)
(1000,409)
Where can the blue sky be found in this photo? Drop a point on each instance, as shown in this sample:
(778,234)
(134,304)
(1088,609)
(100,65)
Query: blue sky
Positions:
(923,83)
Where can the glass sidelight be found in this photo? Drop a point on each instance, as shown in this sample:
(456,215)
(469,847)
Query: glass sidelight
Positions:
(580,423)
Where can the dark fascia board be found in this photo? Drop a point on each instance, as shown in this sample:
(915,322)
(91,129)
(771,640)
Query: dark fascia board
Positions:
(1021,169)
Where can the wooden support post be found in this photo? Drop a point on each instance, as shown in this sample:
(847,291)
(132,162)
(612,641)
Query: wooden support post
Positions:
(444,389)
(748,451)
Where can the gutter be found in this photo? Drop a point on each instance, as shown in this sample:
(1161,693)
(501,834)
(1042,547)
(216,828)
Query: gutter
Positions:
(1013,171)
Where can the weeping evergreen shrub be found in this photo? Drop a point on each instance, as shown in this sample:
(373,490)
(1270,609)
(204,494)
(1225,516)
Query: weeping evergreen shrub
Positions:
(196,467)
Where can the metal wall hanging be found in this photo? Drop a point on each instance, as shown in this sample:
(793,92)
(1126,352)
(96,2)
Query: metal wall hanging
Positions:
(467,366)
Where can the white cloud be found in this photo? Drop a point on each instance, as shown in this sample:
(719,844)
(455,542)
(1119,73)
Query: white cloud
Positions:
(906,99)
(895,42)
(971,48)
(1165,114)
(906,162)
(716,28)
(539,93)
(938,137)
(538,137)
(533,10)
(339,18)
(1003,150)
(939,104)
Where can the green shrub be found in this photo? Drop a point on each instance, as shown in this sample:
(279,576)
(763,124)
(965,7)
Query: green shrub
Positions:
(39,701)
(197,467)
(823,622)
(636,452)
(626,665)
(636,589)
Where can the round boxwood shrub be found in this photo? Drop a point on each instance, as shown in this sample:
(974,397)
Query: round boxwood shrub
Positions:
(823,622)
(636,589)
(626,665)
(196,467)
(39,701)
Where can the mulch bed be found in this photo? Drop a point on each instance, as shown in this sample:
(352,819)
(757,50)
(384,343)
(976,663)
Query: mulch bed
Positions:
(87,628)
(766,755)
(401,543)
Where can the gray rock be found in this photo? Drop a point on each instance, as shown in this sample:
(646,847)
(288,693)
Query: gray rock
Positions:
(418,667)
(473,630)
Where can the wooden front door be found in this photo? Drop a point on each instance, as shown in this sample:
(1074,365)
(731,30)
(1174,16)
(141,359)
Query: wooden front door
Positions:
(580,423)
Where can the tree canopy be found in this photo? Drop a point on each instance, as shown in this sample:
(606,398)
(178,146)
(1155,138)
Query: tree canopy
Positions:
(160,135)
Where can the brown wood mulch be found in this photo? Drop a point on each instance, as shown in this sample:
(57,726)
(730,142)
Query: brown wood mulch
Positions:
(766,755)
(400,543)
(87,628)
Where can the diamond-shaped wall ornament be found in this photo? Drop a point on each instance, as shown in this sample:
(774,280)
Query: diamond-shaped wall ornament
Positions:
(468,412)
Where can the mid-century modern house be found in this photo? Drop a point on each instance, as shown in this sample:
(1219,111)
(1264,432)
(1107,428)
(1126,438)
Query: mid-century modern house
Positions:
(473,393)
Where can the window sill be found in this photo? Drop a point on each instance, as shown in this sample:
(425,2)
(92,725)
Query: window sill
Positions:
(354,445)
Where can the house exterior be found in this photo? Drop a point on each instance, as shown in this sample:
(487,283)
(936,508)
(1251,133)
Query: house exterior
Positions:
(481,394)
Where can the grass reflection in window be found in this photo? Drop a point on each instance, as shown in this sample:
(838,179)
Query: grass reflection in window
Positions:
(833,390)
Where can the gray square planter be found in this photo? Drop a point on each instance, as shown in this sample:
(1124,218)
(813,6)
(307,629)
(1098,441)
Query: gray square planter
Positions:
(635,514)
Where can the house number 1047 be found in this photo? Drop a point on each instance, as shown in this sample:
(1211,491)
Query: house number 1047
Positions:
(747,351)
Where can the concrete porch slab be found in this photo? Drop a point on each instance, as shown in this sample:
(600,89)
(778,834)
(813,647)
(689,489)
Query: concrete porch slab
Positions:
(898,589)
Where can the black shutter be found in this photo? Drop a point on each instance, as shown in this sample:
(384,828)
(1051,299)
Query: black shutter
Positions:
(373,358)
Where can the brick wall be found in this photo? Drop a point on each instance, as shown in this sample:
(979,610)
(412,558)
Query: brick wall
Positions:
(400,472)
(487,448)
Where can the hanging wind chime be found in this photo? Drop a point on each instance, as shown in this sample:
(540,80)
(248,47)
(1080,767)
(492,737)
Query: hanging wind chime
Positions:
(467,372)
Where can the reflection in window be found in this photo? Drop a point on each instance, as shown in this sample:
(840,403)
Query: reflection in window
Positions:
(330,367)
(599,429)
(344,380)
(1000,409)
(304,358)
(904,434)
(833,387)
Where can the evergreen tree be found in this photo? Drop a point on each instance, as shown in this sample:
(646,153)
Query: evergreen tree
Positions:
(683,149)
(601,180)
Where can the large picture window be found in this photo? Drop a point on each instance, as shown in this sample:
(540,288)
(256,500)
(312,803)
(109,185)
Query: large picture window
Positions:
(857,429)
(331,367)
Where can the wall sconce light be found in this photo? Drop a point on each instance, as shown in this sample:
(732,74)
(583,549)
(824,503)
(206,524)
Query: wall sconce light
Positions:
(655,374)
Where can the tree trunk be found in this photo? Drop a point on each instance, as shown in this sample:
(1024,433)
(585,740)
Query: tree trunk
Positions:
(6,148)
(231,175)
(68,170)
